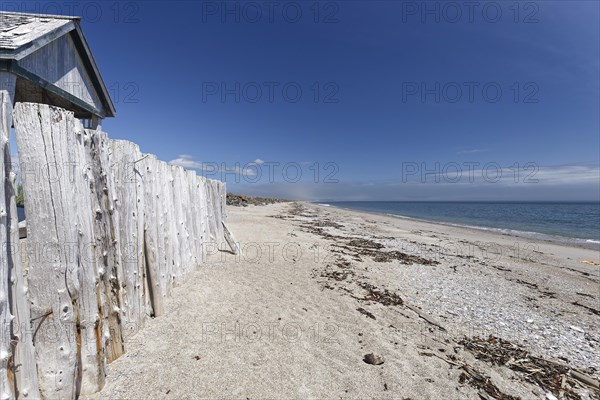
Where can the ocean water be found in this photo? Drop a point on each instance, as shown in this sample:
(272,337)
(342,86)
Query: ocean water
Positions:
(571,222)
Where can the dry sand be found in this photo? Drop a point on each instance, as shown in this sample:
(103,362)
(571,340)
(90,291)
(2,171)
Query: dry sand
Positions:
(294,316)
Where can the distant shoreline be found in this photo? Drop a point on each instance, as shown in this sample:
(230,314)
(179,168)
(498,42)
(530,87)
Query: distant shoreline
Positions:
(534,236)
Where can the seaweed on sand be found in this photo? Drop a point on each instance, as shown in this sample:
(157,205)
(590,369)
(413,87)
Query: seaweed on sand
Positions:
(551,376)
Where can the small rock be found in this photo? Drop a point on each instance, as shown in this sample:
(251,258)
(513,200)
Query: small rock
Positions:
(576,328)
(373,359)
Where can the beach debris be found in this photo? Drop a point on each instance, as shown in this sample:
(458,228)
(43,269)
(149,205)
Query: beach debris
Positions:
(585,295)
(384,297)
(327,223)
(365,243)
(588,380)
(360,246)
(486,388)
(388,256)
(299,210)
(543,292)
(365,312)
(590,309)
(425,317)
(373,359)
(337,275)
(550,376)
(590,262)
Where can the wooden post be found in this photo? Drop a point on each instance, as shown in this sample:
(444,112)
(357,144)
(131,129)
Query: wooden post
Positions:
(6,318)
(126,157)
(87,274)
(180,231)
(106,232)
(52,237)
(203,217)
(194,199)
(168,225)
(25,376)
(151,238)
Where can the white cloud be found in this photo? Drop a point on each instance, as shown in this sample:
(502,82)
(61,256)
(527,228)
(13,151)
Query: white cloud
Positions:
(187,161)
(471,151)
(211,168)
(567,174)
(258,161)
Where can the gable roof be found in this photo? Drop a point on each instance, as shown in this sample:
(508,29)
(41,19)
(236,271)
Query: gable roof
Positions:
(22,34)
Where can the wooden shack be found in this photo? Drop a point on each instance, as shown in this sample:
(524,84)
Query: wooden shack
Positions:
(46,59)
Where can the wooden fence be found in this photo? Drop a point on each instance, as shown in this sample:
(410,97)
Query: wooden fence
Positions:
(109,232)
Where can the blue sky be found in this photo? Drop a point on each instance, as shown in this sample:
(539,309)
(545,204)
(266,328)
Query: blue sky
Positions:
(397,102)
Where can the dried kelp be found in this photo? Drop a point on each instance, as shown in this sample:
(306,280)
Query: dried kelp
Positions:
(384,297)
(553,377)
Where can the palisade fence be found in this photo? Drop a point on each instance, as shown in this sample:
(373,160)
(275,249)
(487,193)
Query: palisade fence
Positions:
(109,232)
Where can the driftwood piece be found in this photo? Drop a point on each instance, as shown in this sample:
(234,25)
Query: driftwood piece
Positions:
(588,380)
(233,245)
(424,316)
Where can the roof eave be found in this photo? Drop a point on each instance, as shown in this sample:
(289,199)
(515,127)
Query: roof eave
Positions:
(28,48)
(98,82)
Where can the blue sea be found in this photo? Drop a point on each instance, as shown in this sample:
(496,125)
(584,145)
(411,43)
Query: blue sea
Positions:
(568,222)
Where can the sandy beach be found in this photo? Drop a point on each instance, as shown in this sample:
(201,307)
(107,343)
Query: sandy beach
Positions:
(318,288)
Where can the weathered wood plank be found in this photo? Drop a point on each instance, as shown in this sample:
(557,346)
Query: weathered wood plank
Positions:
(189,218)
(130,195)
(25,377)
(168,225)
(53,276)
(6,319)
(107,248)
(90,328)
(203,218)
(180,229)
(233,245)
(151,236)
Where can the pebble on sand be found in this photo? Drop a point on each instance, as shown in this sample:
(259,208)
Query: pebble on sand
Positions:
(373,359)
